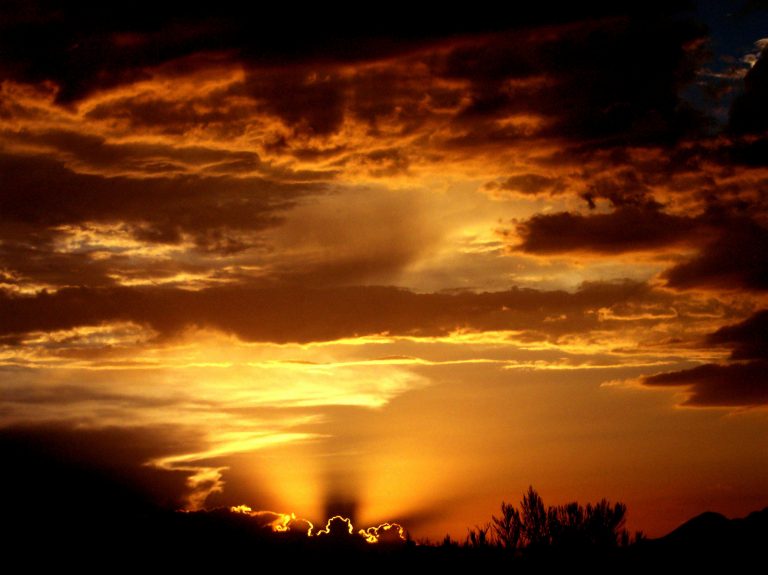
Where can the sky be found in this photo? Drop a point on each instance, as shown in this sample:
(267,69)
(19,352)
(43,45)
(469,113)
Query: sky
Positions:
(383,264)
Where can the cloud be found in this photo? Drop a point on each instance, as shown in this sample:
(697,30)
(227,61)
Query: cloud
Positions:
(386,533)
(713,385)
(625,229)
(249,234)
(741,382)
(84,51)
(203,105)
(748,111)
(730,243)
(298,314)
(736,260)
(337,527)
(618,88)
(325,73)
(750,151)
(278,522)
(749,339)
(311,99)
(92,154)
(529,184)
(41,193)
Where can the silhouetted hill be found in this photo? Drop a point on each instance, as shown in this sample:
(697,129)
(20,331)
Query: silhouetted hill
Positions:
(713,529)
(708,541)
(704,528)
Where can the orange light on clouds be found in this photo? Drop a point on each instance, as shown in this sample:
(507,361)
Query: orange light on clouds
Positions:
(384,532)
(396,285)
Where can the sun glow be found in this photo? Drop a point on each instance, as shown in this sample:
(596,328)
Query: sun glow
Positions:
(336,526)
(386,532)
(278,522)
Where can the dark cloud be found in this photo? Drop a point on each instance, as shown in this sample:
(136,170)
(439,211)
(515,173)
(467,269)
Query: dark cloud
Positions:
(597,83)
(216,110)
(33,260)
(310,99)
(749,117)
(601,83)
(619,87)
(603,79)
(529,184)
(741,382)
(627,187)
(82,47)
(737,259)
(41,192)
(625,229)
(730,385)
(749,339)
(383,163)
(94,154)
(72,395)
(751,151)
(749,114)
(300,314)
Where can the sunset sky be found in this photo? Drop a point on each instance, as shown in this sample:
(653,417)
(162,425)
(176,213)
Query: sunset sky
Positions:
(389,265)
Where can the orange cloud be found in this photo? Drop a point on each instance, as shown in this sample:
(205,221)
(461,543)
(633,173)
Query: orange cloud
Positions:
(384,533)
(337,526)
(305,315)
(739,382)
(278,522)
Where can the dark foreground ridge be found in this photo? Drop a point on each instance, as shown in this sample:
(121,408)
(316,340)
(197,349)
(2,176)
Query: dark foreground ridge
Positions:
(226,541)
(59,514)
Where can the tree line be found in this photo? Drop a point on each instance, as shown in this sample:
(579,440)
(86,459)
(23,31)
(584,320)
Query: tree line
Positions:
(532,526)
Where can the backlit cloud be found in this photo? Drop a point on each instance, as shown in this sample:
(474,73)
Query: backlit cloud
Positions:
(740,382)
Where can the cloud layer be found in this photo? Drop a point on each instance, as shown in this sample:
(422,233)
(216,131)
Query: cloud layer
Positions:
(740,382)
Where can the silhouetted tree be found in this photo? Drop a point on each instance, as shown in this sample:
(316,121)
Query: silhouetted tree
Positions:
(508,529)
(534,519)
(479,536)
(566,525)
(448,542)
(571,525)
(604,523)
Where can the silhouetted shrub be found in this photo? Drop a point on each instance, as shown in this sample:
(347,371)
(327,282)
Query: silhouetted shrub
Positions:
(479,536)
(508,528)
(565,526)
(604,523)
(534,517)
